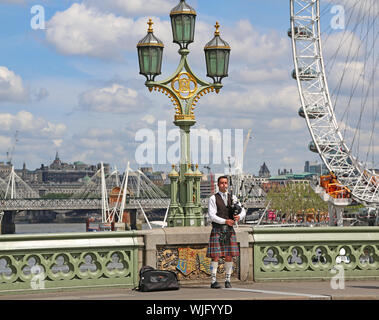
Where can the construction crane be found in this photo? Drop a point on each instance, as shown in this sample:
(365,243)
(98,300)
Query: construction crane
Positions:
(11,150)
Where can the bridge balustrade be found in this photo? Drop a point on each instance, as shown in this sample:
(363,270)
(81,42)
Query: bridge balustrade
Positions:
(58,261)
(51,261)
(312,253)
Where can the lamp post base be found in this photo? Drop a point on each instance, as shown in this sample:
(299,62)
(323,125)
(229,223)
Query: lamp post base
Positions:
(185,217)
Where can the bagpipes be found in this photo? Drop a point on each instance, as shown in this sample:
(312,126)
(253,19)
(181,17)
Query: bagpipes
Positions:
(240,198)
(236,208)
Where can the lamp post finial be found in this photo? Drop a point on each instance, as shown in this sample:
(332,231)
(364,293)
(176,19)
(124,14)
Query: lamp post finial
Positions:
(150,23)
(217,32)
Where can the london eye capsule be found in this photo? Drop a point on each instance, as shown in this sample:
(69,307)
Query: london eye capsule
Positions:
(305,74)
(313,112)
(312,147)
(324,146)
(301,32)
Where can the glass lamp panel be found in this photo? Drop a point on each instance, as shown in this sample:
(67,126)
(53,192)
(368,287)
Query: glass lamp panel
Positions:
(220,63)
(178,26)
(227,55)
(207,61)
(154,60)
(212,63)
(174,29)
(193,19)
(140,60)
(187,28)
(146,61)
(160,56)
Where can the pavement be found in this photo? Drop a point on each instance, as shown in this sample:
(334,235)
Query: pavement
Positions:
(246,291)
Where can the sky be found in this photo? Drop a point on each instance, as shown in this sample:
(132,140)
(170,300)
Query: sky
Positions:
(74,86)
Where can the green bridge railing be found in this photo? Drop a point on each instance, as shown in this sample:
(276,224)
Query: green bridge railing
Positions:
(72,260)
(316,253)
(44,261)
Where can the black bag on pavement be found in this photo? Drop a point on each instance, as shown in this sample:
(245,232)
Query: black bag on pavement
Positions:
(151,279)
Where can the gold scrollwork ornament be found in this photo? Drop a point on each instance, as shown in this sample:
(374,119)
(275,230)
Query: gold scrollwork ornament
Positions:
(184,85)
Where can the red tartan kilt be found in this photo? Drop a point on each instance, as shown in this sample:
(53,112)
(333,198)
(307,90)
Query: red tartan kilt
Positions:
(216,250)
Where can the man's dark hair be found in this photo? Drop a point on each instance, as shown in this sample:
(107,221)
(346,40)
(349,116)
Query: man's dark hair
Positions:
(222,177)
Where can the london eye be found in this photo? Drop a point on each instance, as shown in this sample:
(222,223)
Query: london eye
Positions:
(336,56)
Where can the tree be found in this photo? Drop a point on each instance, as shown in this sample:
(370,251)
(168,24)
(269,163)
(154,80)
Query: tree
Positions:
(293,199)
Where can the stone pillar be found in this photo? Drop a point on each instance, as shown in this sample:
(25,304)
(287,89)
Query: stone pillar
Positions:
(335,215)
(339,213)
(133,219)
(60,217)
(7,223)
(331,213)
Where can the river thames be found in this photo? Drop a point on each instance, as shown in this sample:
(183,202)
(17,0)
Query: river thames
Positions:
(29,228)
(25,228)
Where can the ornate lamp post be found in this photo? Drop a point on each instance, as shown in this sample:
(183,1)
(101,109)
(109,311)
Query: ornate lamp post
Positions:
(184,89)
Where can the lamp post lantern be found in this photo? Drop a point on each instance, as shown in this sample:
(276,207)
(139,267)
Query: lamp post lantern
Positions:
(217,52)
(150,52)
(183,24)
(184,89)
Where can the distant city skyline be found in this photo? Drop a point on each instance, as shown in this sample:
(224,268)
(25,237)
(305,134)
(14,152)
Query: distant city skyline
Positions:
(58,164)
(72,84)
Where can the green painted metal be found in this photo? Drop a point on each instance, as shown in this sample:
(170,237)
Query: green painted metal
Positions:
(185,104)
(59,261)
(315,253)
(184,212)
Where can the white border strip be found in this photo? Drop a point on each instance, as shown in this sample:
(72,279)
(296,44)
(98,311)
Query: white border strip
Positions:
(280,293)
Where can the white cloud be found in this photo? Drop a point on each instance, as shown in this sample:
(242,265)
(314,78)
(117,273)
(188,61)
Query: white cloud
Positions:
(252,100)
(237,101)
(80,30)
(27,123)
(287,124)
(113,98)
(58,142)
(11,86)
(51,129)
(100,132)
(150,119)
(252,75)
(82,155)
(250,45)
(5,142)
(134,7)
(84,30)
(290,161)
(95,143)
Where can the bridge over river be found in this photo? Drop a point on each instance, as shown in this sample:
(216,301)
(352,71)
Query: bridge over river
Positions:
(88,204)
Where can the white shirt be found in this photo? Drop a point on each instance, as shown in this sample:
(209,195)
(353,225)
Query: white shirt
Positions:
(212,208)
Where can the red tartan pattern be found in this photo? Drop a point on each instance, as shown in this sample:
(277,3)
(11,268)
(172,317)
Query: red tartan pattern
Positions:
(216,250)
